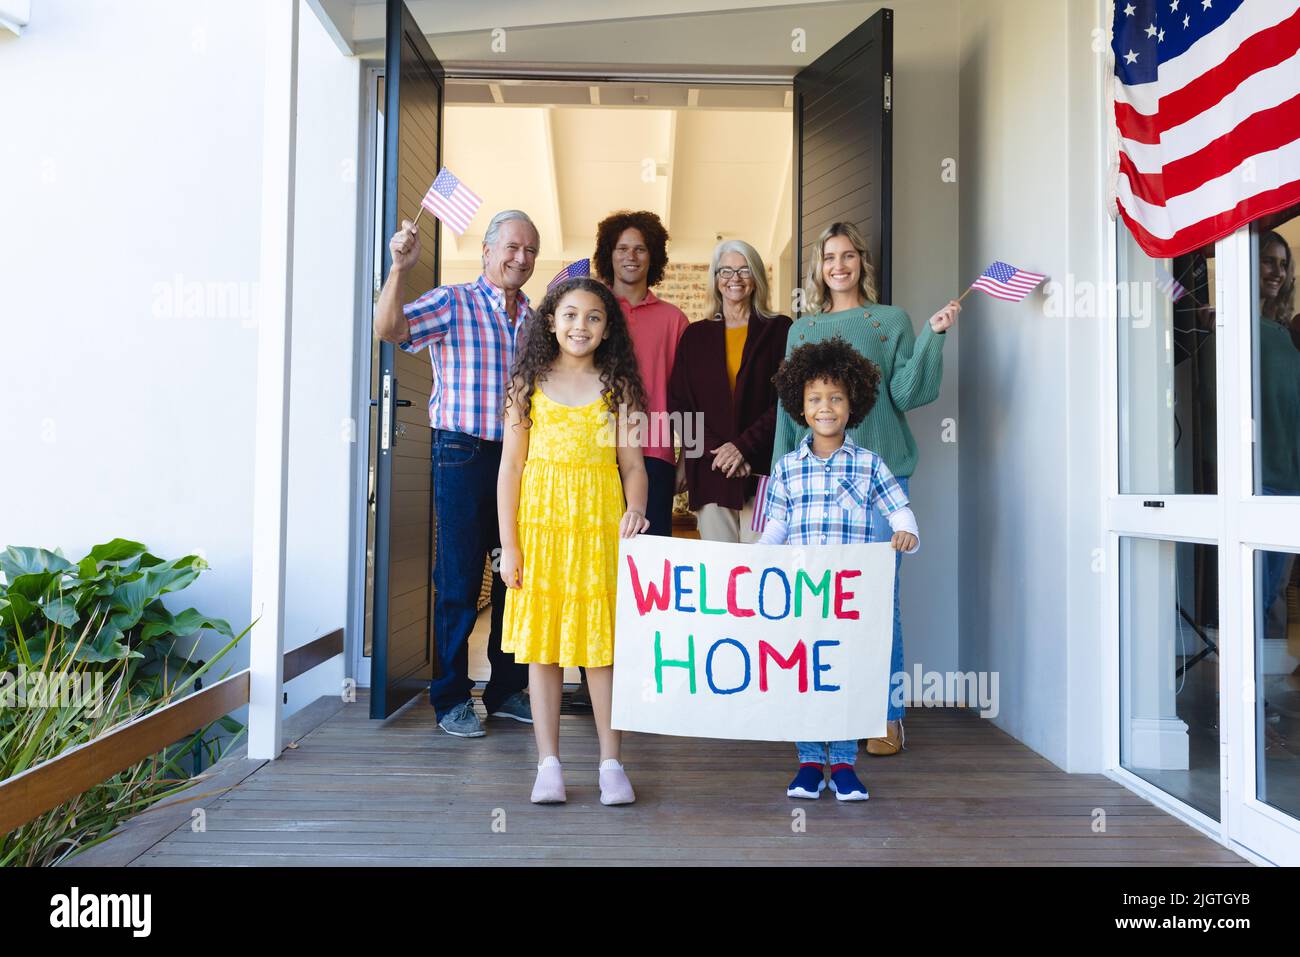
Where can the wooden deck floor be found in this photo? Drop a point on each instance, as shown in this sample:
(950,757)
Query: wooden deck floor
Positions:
(356,792)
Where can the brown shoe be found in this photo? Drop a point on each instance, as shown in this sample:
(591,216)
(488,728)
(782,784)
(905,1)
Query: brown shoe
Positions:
(892,743)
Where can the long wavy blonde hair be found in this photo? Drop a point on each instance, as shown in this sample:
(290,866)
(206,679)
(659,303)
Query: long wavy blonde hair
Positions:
(759,299)
(818,298)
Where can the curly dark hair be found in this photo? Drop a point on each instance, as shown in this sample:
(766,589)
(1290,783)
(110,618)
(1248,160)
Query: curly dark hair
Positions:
(615,358)
(836,361)
(651,230)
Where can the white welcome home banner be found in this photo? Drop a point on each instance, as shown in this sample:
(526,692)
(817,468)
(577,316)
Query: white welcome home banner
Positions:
(765,642)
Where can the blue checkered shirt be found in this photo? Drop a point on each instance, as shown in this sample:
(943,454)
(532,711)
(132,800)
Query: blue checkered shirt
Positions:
(471,341)
(831,501)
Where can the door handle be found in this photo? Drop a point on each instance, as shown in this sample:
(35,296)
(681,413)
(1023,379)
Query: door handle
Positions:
(387,400)
(386,414)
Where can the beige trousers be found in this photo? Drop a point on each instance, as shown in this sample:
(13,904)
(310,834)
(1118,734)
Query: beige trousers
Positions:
(719,524)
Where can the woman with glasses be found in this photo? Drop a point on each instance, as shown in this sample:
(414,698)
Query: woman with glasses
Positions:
(841,291)
(723,377)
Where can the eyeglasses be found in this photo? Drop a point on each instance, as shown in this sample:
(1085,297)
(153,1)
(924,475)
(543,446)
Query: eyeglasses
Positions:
(744,272)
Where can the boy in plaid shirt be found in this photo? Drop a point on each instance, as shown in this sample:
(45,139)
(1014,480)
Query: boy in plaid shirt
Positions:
(825,493)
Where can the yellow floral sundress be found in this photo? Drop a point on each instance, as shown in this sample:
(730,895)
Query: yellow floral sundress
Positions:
(570,504)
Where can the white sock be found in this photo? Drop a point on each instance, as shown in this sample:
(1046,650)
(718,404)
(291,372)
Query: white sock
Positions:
(609,764)
(549,761)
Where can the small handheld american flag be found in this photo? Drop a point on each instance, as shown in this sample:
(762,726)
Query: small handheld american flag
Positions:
(1005,282)
(572,271)
(758,519)
(451,201)
(1168,285)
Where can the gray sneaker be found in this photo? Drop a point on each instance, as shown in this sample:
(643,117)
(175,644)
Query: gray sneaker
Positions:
(516,707)
(462,721)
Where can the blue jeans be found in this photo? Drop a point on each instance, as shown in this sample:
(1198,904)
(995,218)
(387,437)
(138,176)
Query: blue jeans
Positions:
(881,532)
(827,752)
(465,502)
(812,750)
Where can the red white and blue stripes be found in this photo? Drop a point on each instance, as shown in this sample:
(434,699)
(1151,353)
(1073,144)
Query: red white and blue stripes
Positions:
(1207,111)
(451,201)
(1003,281)
(471,341)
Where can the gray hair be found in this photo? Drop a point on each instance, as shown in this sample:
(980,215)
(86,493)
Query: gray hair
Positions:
(494,227)
(758,299)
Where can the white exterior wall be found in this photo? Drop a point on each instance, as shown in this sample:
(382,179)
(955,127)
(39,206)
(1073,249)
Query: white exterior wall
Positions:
(127,410)
(322,433)
(925,278)
(1031,475)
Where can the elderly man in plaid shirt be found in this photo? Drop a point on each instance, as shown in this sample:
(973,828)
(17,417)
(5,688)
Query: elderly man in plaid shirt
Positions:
(471,331)
(825,493)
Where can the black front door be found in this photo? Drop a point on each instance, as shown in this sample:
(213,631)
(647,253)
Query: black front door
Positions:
(843,142)
(403,542)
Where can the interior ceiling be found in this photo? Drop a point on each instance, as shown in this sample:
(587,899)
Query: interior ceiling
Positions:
(711,121)
(772,38)
(705,172)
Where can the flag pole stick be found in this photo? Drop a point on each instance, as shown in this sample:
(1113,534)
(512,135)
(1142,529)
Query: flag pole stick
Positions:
(963,295)
(416,221)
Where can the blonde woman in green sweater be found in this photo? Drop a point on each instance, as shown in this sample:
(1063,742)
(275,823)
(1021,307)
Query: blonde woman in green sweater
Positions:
(841,292)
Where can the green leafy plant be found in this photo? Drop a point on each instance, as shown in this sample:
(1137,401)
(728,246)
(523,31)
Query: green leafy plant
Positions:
(45,599)
(97,626)
(40,731)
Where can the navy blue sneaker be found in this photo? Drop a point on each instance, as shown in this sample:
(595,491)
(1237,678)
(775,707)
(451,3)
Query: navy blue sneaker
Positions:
(808,783)
(846,785)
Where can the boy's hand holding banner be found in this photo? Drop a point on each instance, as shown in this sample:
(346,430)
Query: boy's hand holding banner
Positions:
(766,642)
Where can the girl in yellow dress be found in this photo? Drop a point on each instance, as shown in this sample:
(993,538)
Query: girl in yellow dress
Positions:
(560,501)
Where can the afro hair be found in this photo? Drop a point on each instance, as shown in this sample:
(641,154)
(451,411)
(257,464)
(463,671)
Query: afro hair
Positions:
(836,361)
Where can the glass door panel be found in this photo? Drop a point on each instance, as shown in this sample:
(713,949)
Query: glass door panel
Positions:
(1169,668)
(1275,359)
(1277,680)
(1167,372)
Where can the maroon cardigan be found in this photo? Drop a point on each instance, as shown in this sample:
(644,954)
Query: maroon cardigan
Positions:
(699,384)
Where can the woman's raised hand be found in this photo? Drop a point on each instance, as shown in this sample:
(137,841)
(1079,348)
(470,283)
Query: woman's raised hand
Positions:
(944,319)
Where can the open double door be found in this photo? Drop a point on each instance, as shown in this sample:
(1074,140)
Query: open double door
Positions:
(842,163)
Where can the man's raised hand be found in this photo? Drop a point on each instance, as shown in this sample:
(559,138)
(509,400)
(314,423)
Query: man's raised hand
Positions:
(405,245)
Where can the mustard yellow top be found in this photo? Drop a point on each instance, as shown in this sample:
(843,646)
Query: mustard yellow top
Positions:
(735,349)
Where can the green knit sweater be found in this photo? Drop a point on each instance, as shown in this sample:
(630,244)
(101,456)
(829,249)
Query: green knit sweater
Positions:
(911,369)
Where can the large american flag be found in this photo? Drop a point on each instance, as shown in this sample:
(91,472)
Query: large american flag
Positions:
(1007,282)
(1207,106)
(451,201)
